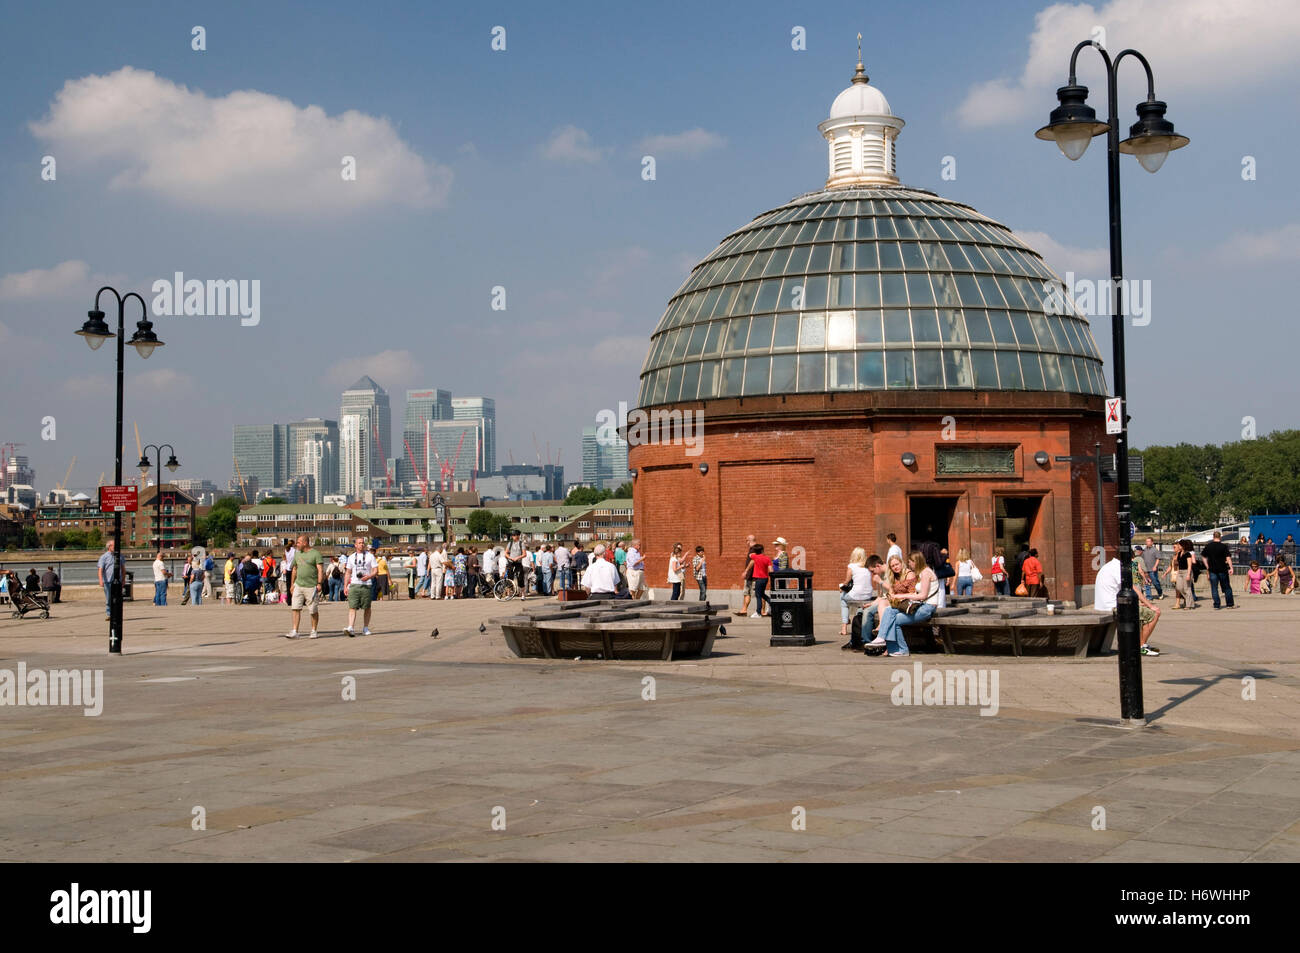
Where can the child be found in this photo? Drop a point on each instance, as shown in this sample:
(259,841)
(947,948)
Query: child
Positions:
(700,569)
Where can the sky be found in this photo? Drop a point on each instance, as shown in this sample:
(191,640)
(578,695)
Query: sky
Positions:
(520,168)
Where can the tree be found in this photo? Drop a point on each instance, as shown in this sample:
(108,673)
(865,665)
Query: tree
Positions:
(30,538)
(586,496)
(219,526)
(273,499)
(75,539)
(624,492)
(57,540)
(95,539)
(480,523)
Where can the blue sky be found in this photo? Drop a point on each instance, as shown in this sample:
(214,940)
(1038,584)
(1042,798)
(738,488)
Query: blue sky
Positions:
(521,168)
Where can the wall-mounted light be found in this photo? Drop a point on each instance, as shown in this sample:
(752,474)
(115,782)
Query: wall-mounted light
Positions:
(704,468)
(633,472)
(909,460)
(1041,458)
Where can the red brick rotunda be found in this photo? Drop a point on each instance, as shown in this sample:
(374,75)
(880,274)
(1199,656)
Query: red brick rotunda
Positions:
(871,358)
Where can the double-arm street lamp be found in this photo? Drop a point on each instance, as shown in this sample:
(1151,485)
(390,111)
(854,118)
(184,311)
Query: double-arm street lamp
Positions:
(96,331)
(1072,126)
(172,464)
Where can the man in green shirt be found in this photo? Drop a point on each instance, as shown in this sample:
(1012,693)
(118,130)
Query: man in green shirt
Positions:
(304,582)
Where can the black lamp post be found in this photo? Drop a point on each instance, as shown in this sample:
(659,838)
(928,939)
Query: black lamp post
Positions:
(172,464)
(1151,139)
(96,331)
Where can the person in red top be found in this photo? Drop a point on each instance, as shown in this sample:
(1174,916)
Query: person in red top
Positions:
(759,568)
(1032,572)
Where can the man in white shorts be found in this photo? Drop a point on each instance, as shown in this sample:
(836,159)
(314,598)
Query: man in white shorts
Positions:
(305,574)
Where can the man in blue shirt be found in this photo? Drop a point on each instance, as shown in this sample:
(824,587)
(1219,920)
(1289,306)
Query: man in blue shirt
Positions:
(107,571)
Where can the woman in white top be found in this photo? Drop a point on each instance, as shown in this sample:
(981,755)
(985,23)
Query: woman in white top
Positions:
(858,579)
(676,572)
(965,573)
(927,593)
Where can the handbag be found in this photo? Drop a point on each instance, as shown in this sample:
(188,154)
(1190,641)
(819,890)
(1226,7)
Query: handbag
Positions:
(1021,590)
(945,571)
(975,574)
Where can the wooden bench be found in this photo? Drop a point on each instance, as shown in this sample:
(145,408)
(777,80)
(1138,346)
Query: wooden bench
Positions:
(993,624)
(615,629)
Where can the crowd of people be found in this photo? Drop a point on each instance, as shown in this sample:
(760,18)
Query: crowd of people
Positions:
(879,596)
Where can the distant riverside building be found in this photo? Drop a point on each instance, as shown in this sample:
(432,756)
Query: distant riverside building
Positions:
(204,492)
(16,471)
(365,437)
(80,513)
(262,452)
(144,529)
(484,409)
(833,339)
(604,461)
(523,482)
(422,407)
(314,452)
(459,445)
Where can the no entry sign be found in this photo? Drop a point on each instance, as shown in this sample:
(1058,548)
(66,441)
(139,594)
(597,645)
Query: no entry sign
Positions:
(1114,420)
(118,499)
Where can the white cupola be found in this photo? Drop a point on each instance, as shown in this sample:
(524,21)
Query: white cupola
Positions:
(861,131)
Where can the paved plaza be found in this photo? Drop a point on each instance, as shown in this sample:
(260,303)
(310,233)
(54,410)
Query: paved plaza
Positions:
(455,750)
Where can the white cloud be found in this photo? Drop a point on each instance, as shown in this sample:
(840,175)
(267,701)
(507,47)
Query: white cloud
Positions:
(247,151)
(628,350)
(64,279)
(571,144)
(1252,248)
(688,144)
(1193,46)
(613,269)
(162,381)
(1084,262)
(390,369)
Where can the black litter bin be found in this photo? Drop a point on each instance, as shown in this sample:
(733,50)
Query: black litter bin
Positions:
(128,587)
(791,594)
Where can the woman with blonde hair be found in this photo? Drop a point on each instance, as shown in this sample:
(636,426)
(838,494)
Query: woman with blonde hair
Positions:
(856,588)
(965,573)
(922,603)
(676,572)
(897,580)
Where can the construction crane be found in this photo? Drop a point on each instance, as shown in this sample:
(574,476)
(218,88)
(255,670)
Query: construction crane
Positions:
(422,477)
(139,449)
(538,448)
(6,455)
(101,478)
(64,484)
(239,476)
(456,459)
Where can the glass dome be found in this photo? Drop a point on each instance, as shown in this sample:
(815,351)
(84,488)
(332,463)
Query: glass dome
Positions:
(869,289)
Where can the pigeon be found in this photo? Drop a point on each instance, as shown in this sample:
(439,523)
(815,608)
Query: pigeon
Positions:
(722,630)
(433,634)
(482,627)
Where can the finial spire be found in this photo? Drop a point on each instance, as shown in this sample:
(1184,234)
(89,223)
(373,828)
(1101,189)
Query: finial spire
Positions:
(860,76)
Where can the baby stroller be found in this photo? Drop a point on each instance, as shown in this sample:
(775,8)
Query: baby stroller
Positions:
(23,602)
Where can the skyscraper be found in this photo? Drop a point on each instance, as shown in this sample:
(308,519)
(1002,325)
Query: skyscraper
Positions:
(314,451)
(485,409)
(421,406)
(365,436)
(261,450)
(458,445)
(604,459)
